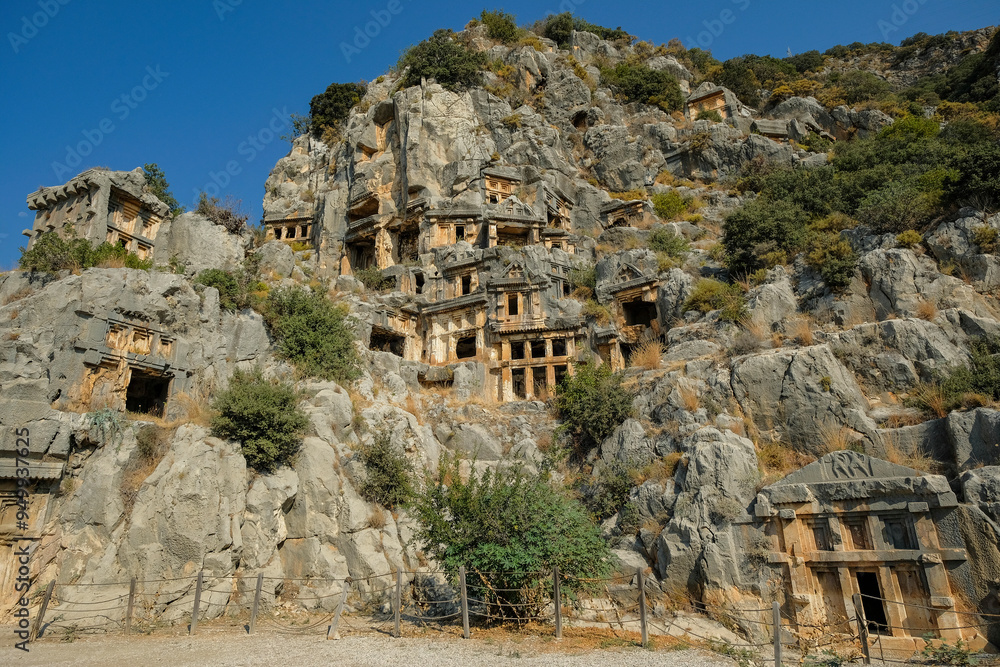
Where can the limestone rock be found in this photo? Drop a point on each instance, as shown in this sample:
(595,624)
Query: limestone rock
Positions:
(197,243)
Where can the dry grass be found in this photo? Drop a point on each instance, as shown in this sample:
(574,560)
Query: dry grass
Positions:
(376,520)
(918,460)
(13,335)
(800,329)
(926,310)
(195,411)
(648,355)
(112,263)
(689,398)
(660,470)
(18,295)
(14,314)
(836,438)
(152,445)
(778,460)
(757,327)
(932,397)
(904,419)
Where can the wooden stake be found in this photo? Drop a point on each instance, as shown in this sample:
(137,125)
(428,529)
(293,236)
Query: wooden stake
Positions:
(558,600)
(131,606)
(862,627)
(642,606)
(465,602)
(256,603)
(776,621)
(399,601)
(197,603)
(41,612)
(333,633)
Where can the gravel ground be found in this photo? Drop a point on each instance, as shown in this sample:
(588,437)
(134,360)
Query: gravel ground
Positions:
(234,650)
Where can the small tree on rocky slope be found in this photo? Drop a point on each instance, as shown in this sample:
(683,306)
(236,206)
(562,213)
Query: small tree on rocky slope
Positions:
(592,403)
(263,416)
(509,529)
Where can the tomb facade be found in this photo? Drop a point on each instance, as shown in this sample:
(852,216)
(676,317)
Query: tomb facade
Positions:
(102,207)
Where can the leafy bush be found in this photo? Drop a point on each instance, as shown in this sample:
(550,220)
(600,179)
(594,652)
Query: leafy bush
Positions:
(227,213)
(860,86)
(592,403)
(508,529)
(895,207)
(709,114)
(373,279)
(559,28)
(584,276)
(608,490)
(665,241)
(263,416)
(444,59)
(331,107)
(388,473)
(762,233)
(156,182)
(710,294)
(943,653)
(500,26)
(638,83)
(669,205)
(313,334)
(804,62)
(52,253)
(986,238)
(909,238)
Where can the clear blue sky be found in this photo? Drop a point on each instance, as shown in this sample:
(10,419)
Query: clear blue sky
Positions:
(188,83)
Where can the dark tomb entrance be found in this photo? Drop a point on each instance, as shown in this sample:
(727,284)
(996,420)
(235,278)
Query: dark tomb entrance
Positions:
(147,393)
(871,602)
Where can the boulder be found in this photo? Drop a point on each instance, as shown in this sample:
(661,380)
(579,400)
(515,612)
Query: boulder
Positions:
(197,243)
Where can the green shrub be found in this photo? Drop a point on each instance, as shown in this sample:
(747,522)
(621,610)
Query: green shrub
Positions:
(909,238)
(710,294)
(762,233)
(236,288)
(986,238)
(509,529)
(263,416)
(608,490)
(665,241)
(638,83)
(373,279)
(585,276)
(592,403)
(709,114)
(52,253)
(829,253)
(816,143)
(442,58)
(943,653)
(559,28)
(500,26)
(860,86)
(669,205)
(313,334)
(804,62)
(156,182)
(895,207)
(331,107)
(388,473)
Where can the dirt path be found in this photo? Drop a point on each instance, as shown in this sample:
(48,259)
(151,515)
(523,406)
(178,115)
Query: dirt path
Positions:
(232,649)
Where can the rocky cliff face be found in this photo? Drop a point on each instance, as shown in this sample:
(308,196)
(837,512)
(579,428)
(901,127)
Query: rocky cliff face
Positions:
(807,372)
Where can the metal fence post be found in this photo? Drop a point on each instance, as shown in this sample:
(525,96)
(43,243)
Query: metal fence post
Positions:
(398,602)
(333,633)
(256,603)
(776,621)
(197,603)
(642,606)
(41,612)
(862,627)
(131,605)
(557,597)
(465,602)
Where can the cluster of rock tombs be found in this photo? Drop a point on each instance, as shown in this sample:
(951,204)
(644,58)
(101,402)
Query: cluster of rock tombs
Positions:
(479,228)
